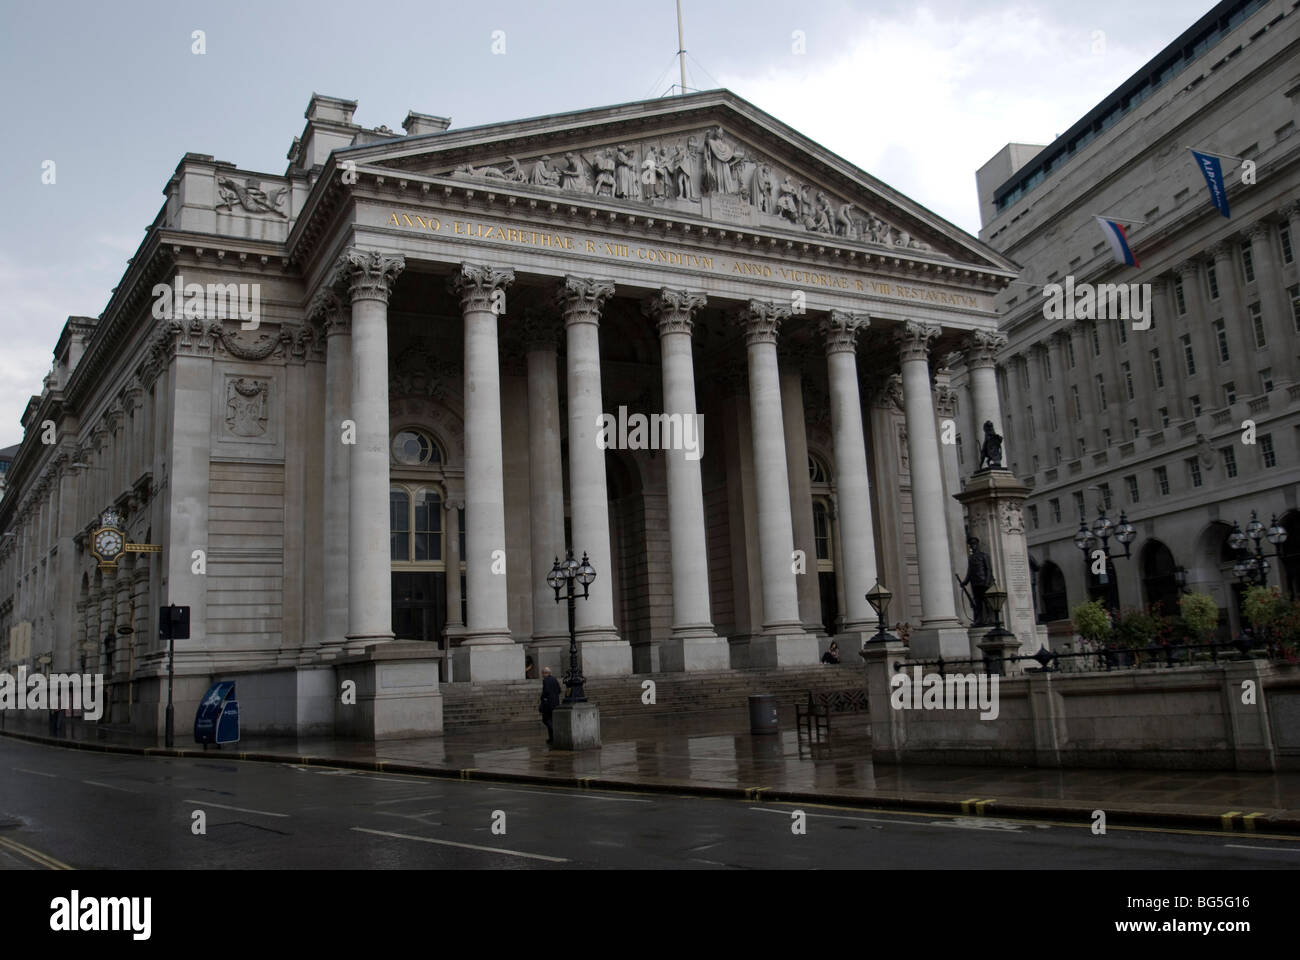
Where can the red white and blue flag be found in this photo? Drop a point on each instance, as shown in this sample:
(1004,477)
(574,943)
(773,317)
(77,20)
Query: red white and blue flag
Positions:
(1118,240)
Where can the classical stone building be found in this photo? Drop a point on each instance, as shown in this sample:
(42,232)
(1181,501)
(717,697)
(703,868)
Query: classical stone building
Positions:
(1100,413)
(361,400)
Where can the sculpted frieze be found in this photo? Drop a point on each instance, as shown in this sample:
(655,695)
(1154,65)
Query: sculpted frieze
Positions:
(687,171)
(250,196)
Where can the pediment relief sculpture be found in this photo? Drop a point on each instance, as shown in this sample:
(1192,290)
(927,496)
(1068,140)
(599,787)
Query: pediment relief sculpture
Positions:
(251,197)
(683,171)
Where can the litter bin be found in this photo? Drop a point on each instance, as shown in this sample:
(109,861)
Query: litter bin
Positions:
(762,713)
(217,719)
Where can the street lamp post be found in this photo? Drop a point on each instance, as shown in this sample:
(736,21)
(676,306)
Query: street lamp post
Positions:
(879,599)
(996,598)
(565,573)
(1098,538)
(1252,568)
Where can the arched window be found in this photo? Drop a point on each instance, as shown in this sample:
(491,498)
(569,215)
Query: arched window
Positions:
(1158,580)
(817,471)
(822,532)
(1051,587)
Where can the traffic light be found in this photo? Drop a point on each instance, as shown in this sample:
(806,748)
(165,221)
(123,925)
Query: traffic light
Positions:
(174,622)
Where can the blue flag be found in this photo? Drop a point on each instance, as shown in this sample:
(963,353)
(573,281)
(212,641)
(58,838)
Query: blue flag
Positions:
(1214,179)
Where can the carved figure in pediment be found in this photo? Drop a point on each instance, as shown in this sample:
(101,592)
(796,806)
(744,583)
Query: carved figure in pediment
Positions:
(822,214)
(846,223)
(653,174)
(880,232)
(604,164)
(543,175)
(681,170)
(760,190)
(720,161)
(787,200)
(626,184)
(572,173)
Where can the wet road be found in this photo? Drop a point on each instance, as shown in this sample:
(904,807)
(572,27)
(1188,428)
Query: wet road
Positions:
(84,810)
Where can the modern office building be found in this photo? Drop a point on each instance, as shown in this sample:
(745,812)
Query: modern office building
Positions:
(1190,426)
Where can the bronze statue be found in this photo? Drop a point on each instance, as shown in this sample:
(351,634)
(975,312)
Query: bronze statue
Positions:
(990,449)
(979,575)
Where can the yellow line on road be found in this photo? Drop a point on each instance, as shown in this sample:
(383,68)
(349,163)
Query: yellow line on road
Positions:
(1227,818)
(44,859)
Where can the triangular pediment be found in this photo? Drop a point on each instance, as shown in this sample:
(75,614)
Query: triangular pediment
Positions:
(711,156)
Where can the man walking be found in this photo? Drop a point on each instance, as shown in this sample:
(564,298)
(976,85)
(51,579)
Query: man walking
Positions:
(550,700)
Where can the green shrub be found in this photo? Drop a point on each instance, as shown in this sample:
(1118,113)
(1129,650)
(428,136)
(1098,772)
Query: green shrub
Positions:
(1092,621)
(1138,629)
(1200,613)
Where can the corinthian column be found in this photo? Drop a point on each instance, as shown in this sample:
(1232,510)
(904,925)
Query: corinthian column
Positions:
(371,275)
(981,360)
(328,310)
(492,654)
(856,534)
(693,644)
(546,490)
(604,653)
(940,633)
(784,641)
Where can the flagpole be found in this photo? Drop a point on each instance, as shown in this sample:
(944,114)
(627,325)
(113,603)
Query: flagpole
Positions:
(1225,156)
(681,46)
(1106,216)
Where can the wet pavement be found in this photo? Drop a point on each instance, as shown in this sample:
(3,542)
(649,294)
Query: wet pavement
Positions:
(713,753)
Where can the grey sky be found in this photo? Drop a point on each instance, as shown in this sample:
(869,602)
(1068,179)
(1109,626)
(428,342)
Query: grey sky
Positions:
(920,95)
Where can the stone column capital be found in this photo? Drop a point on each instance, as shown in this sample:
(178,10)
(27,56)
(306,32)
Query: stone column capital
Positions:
(674,310)
(370,274)
(913,337)
(454,504)
(580,298)
(841,330)
(761,321)
(1189,267)
(982,348)
(1221,250)
(328,311)
(479,285)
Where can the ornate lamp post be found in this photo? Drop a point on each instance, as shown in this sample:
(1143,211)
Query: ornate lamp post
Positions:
(566,572)
(1103,528)
(1253,567)
(996,598)
(879,599)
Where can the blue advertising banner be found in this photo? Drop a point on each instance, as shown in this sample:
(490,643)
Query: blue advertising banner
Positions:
(211,723)
(1214,179)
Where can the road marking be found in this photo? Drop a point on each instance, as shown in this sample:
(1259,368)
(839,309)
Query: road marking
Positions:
(831,816)
(44,859)
(432,796)
(578,796)
(1246,846)
(52,776)
(261,813)
(1227,818)
(108,786)
(1249,820)
(467,846)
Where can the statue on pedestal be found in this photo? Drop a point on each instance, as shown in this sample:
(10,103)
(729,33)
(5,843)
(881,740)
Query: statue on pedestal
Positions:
(990,449)
(979,575)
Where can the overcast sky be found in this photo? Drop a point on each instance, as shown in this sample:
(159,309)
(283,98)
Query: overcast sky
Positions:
(918,94)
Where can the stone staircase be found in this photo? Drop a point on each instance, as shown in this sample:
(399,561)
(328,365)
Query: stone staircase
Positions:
(515,701)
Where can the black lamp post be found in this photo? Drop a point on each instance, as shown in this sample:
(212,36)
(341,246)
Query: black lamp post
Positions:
(879,599)
(1253,567)
(566,572)
(996,599)
(1088,540)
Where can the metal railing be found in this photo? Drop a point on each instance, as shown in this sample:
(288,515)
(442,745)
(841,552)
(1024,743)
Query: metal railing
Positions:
(1154,656)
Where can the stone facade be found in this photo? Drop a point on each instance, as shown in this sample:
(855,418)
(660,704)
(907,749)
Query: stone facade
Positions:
(1100,412)
(361,402)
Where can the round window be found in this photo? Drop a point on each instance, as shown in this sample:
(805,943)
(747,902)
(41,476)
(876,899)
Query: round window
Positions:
(412,447)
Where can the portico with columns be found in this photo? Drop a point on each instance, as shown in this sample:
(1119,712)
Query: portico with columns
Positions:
(479,355)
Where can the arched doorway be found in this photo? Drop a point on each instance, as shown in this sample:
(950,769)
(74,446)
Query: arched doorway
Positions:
(1159,582)
(1052,590)
(1211,573)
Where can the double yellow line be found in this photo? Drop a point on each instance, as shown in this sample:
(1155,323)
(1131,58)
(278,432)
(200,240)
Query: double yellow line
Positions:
(41,859)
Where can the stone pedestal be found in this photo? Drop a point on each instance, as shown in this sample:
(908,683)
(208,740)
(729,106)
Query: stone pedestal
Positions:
(577,726)
(994,500)
(397,693)
(1007,645)
(932,642)
(706,651)
(783,650)
(488,662)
